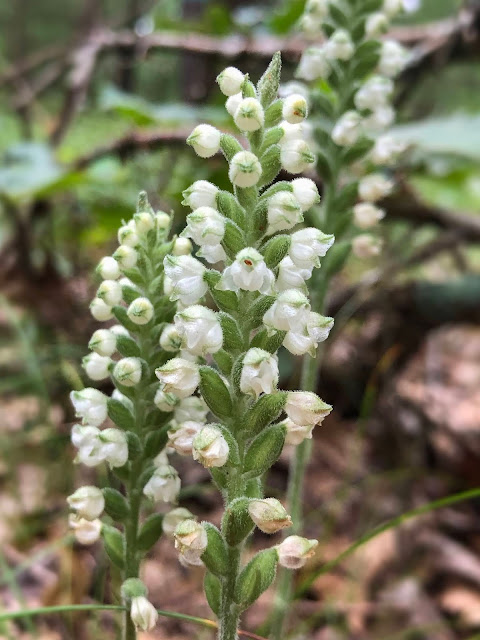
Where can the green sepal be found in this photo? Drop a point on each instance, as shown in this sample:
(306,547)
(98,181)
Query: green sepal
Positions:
(232,336)
(115,504)
(236,522)
(271,165)
(258,309)
(276,249)
(114,545)
(359,150)
(366,59)
(272,136)
(273,116)
(120,414)
(129,294)
(324,164)
(346,198)
(120,314)
(219,477)
(127,347)
(268,343)
(248,88)
(146,475)
(156,441)
(224,361)
(229,206)
(215,393)
(233,240)
(338,16)
(215,555)
(135,447)
(150,532)
(229,145)
(264,450)
(225,300)
(256,577)
(265,410)
(336,258)
(135,276)
(254,488)
(282,185)
(267,87)
(247,197)
(213,591)
(260,217)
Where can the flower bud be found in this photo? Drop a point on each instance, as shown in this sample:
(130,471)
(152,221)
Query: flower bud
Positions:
(103,342)
(114,447)
(170,339)
(393,58)
(291,132)
(305,192)
(173,518)
(308,245)
(306,408)
(86,440)
(205,226)
(295,109)
(162,221)
(245,169)
(249,115)
(340,46)
(367,215)
(165,401)
(186,275)
(366,246)
(248,272)
(200,194)
(144,222)
(179,376)
(128,371)
(374,187)
(87,502)
(290,276)
(100,310)
(205,140)
(86,531)
(110,291)
(376,24)
(96,367)
(380,118)
(126,256)
(296,433)
(289,311)
(305,339)
(294,552)
(143,614)
(314,64)
(127,235)
(180,436)
(90,405)
(269,515)
(295,156)
(191,541)
(386,150)
(348,129)
(164,485)
(140,311)
(233,102)
(210,447)
(392,7)
(200,330)
(318,8)
(259,372)
(192,408)
(283,212)
(119,330)
(374,92)
(108,268)
(230,81)
(182,247)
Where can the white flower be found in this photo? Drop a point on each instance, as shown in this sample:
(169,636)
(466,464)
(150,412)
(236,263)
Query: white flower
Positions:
(180,436)
(128,371)
(170,339)
(144,222)
(200,194)
(100,310)
(140,311)
(269,515)
(249,115)
(192,408)
(205,140)
(375,92)
(103,342)
(212,253)
(205,226)
(290,276)
(245,169)
(182,247)
(380,118)
(305,192)
(173,518)
(233,102)
(314,64)
(305,339)
(386,150)
(340,46)
(114,447)
(230,81)
(126,256)
(308,245)
(191,541)
(86,531)
(161,458)
(143,614)
(295,109)
(411,5)
(88,502)
(110,291)
(86,440)
(291,132)
(393,58)
(200,330)
(179,376)
(296,433)
(289,312)
(306,408)
(164,485)
(127,235)
(165,401)
(259,372)
(248,272)
(376,24)
(366,246)
(366,215)
(96,367)
(294,552)
(295,156)
(90,405)
(210,447)
(186,275)
(348,129)
(108,268)
(283,212)
(374,187)
(318,8)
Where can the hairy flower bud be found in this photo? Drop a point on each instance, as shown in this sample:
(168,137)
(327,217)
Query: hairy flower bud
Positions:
(108,268)
(86,531)
(100,310)
(374,92)
(170,339)
(126,256)
(314,64)
(249,115)
(289,311)
(269,515)
(295,156)
(306,408)
(380,118)
(374,187)
(230,81)
(210,447)
(90,405)
(386,150)
(205,140)
(191,541)
(179,376)
(233,102)
(376,24)
(248,272)
(340,46)
(96,367)
(200,330)
(143,614)
(180,436)
(294,552)
(110,291)
(144,222)
(127,235)
(140,311)
(182,247)
(103,342)
(393,58)
(88,502)
(162,221)
(165,401)
(128,371)
(348,129)
(245,169)
(295,109)
(259,372)
(305,192)
(205,226)
(367,215)
(200,194)
(186,275)
(164,485)
(366,246)
(308,245)
(175,517)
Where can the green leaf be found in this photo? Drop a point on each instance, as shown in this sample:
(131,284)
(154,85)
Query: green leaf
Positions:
(129,294)
(135,448)
(121,315)
(115,504)
(338,16)
(156,441)
(268,84)
(359,150)
(150,532)
(215,555)
(229,206)
(346,198)
(232,336)
(224,361)
(336,258)
(213,591)
(258,309)
(264,450)
(271,165)
(265,410)
(120,414)
(229,145)
(237,523)
(273,116)
(127,347)
(276,249)
(225,300)
(324,164)
(256,577)
(215,393)
(114,545)
(233,240)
